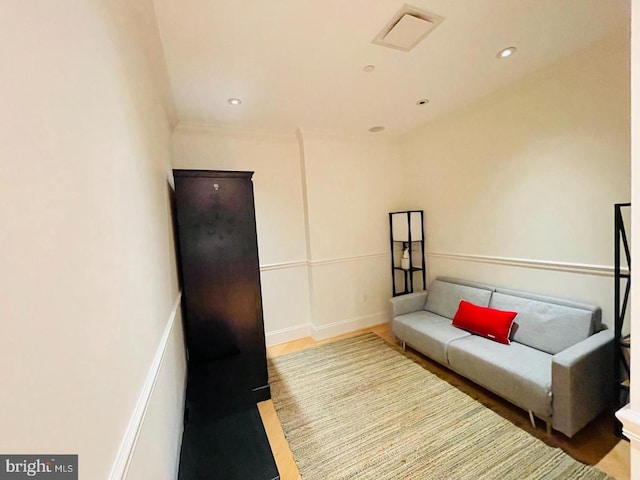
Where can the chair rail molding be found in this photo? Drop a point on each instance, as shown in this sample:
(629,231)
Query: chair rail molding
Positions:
(551,265)
(325,261)
(127,447)
(355,258)
(282,265)
(568,267)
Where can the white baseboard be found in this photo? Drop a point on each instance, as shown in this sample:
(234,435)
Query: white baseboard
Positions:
(630,424)
(287,334)
(128,445)
(321,332)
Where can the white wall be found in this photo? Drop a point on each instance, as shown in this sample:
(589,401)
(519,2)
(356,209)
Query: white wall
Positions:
(351,183)
(518,188)
(86,249)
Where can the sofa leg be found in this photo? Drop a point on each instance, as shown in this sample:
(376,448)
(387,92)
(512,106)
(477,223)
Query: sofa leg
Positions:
(532,418)
(549,428)
(404,346)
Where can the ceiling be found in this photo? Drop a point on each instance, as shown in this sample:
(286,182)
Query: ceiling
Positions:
(299,63)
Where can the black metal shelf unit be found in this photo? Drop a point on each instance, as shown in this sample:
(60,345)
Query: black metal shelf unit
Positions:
(621,301)
(406,235)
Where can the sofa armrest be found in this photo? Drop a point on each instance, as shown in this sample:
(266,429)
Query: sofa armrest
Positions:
(411,302)
(582,382)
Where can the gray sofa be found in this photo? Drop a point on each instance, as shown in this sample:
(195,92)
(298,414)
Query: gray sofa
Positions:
(558,367)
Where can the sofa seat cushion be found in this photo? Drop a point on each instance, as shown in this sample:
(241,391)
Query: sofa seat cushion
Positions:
(444,296)
(519,373)
(427,332)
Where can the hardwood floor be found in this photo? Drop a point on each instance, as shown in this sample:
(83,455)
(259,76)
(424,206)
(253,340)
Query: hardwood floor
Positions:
(595,444)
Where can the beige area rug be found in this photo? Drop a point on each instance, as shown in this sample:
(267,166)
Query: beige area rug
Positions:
(359,409)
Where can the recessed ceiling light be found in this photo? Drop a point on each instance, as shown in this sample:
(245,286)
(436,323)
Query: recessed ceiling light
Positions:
(234,101)
(422,101)
(368,68)
(376,129)
(506,52)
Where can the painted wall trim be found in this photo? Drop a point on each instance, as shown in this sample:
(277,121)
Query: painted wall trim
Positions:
(204,127)
(130,439)
(282,265)
(287,334)
(320,332)
(356,258)
(630,423)
(568,267)
(315,263)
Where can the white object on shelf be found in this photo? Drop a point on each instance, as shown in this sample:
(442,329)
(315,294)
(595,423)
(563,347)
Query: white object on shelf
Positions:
(404,263)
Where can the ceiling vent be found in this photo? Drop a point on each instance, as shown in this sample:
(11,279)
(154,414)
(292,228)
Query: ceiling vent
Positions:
(407,28)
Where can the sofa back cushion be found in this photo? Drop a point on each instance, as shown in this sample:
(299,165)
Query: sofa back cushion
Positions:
(445,293)
(546,323)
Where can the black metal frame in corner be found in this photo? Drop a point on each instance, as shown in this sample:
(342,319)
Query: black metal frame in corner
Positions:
(622,370)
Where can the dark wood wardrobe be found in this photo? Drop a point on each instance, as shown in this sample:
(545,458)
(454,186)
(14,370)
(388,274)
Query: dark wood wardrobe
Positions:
(224,332)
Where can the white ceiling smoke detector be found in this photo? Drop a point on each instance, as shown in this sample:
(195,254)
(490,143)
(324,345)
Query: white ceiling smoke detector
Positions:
(408,27)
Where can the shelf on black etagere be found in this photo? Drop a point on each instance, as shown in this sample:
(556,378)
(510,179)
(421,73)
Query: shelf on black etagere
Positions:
(406,234)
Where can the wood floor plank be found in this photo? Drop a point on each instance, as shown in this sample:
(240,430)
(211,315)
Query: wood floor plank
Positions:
(279,445)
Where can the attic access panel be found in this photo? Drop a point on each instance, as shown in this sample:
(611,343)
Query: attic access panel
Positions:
(408,27)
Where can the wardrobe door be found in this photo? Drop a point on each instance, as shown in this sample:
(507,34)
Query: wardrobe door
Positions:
(220,268)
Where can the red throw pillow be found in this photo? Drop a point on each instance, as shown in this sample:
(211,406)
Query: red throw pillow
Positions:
(487,322)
